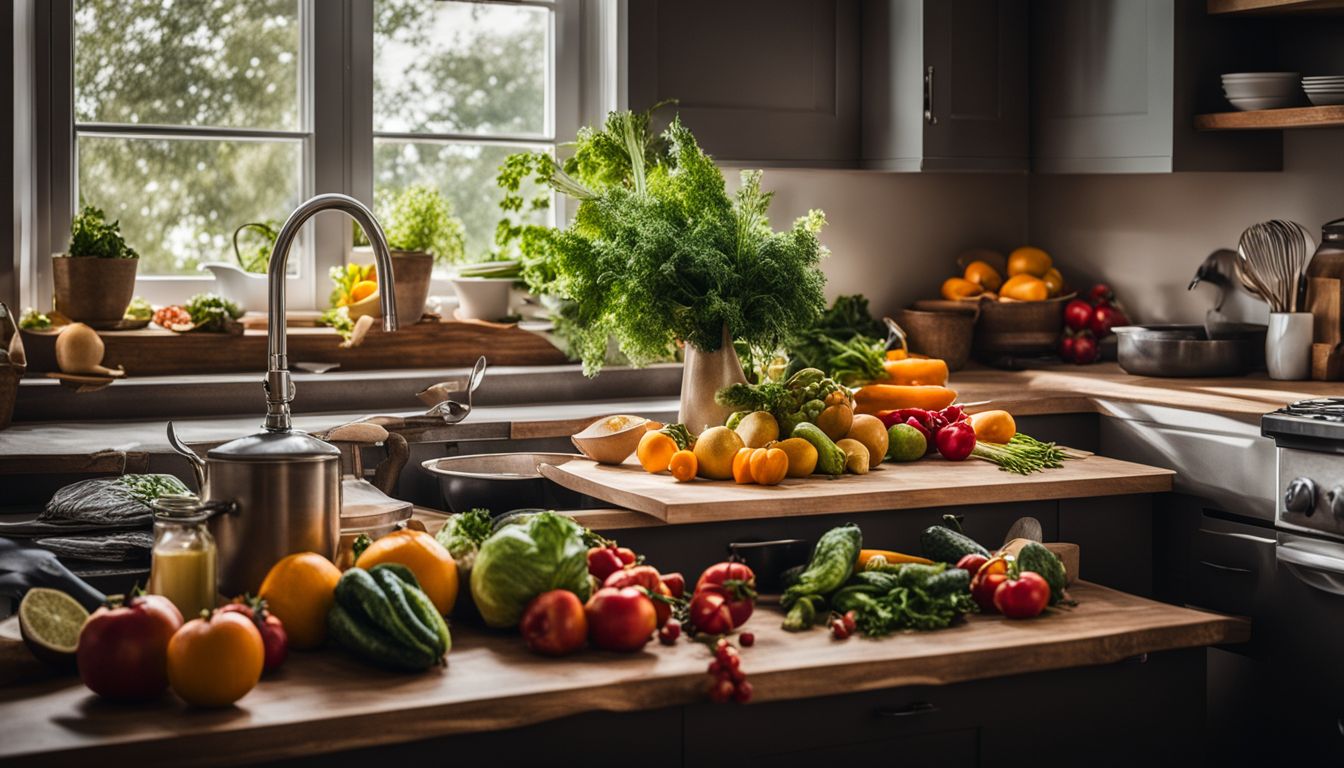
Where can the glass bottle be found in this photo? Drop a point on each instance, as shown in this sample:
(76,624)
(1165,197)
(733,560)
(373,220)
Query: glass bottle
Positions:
(184,564)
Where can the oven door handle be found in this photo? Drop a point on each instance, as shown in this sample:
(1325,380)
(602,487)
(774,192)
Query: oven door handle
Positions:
(1318,571)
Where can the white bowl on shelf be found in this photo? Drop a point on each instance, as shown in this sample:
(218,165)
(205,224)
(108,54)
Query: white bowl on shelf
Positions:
(1326,99)
(1235,76)
(1266,102)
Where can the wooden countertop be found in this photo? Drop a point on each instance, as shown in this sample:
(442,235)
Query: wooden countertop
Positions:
(929,482)
(325,701)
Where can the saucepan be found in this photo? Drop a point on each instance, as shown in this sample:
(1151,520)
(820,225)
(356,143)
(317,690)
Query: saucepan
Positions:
(502,481)
(1185,351)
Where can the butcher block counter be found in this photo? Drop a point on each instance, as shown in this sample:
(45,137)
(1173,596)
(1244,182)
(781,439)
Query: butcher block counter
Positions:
(325,701)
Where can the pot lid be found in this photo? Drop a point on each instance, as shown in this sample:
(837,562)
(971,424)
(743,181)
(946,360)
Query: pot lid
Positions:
(275,446)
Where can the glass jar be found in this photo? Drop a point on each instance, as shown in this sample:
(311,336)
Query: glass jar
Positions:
(184,564)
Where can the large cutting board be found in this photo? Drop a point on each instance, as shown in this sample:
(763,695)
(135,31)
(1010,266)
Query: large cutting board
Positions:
(931,482)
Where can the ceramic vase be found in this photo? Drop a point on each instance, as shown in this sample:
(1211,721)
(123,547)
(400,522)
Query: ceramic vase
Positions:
(1288,346)
(703,374)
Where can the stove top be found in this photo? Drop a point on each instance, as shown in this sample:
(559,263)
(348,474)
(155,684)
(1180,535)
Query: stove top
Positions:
(1316,424)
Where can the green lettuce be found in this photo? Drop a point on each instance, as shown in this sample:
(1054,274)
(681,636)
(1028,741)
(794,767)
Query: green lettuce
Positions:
(519,562)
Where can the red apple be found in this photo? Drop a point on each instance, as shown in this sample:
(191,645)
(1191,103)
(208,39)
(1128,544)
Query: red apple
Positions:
(554,623)
(1077,314)
(123,647)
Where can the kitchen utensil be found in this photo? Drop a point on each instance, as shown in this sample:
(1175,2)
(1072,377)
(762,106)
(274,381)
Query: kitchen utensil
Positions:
(452,411)
(768,559)
(1180,351)
(366,510)
(1018,329)
(1028,528)
(1325,302)
(284,485)
(501,481)
(1272,256)
(1215,270)
(942,329)
(611,439)
(1288,346)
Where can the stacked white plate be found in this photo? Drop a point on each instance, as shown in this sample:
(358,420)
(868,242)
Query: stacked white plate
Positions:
(1325,89)
(1263,90)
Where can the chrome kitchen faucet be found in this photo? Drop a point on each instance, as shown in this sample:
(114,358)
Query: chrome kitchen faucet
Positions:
(279,386)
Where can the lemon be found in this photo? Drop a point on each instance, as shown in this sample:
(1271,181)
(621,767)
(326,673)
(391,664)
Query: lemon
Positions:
(757,429)
(49,621)
(714,452)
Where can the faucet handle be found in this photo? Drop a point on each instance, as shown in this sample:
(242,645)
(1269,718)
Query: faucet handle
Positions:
(279,393)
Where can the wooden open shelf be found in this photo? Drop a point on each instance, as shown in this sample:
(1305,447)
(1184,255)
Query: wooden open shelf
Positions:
(1269,7)
(1273,119)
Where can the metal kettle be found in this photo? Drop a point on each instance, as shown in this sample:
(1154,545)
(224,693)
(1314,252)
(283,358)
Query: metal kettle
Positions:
(281,486)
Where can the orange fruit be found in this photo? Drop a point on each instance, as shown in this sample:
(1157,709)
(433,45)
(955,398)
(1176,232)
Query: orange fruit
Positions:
(433,567)
(742,465)
(983,275)
(683,466)
(1025,288)
(1029,260)
(1054,281)
(214,662)
(956,288)
(299,590)
(362,290)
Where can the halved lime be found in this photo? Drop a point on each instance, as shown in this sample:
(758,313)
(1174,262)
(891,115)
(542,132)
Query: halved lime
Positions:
(49,621)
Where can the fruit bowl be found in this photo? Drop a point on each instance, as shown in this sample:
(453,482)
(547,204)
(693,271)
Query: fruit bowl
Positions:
(1014,329)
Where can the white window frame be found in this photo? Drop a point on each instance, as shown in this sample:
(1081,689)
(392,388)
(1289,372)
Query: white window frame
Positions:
(336,128)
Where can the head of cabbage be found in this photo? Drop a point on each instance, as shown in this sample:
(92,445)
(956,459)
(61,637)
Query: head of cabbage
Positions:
(519,562)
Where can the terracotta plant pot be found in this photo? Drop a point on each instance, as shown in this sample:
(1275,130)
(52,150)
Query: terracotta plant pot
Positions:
(411,272)
(91,290)
(703,374)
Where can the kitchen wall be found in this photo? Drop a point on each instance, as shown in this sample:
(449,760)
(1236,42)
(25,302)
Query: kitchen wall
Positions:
(894,236)
(1146,234)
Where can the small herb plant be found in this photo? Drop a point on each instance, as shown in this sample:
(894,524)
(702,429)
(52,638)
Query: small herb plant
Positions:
(91,236)
(210,312)
(420,218)
(255,257)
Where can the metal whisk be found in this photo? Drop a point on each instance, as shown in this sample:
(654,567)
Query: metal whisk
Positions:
(1272,263)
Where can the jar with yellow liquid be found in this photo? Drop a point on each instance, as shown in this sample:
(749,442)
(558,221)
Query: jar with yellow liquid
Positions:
(184,565)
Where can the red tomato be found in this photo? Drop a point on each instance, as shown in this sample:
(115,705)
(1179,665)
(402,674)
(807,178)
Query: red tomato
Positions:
(645,577)
(627,555)
(986,580)
(1023,597)
(676,584)
(603,561)
(123,647)
(1077,314)
(736,583)
(710,614)
(620,619)
(972,563)
(273,635)
(1104,318)
(554,623)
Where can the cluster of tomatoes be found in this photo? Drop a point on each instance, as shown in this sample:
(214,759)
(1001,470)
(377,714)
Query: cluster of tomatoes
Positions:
(996,586)
(1087,322)
(135,649)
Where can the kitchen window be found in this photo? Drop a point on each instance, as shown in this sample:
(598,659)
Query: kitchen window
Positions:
(188,118)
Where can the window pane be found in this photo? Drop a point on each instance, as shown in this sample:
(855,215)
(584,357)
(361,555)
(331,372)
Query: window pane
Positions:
(180,200)
(458,67)
(231,63)
(465,173)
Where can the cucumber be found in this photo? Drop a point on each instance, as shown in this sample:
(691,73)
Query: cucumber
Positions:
(943,544)
(396,592)
(402,572)
(421,604)
(830,459)
(1037,558)
(359,593)
(372,644)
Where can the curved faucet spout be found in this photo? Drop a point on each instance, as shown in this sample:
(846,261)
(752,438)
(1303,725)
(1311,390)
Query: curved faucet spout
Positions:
(279,386)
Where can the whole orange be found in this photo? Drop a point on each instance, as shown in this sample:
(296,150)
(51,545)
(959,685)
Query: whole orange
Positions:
(299,590)
(433,567)
(215,661)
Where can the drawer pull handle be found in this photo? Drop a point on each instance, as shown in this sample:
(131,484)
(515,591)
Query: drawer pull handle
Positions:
(1227,568)
(910,710)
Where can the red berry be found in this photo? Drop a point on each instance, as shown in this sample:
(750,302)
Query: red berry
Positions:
(737,676)
(670,632)
(747,639)
(743,693)
(715,667)
(721,643)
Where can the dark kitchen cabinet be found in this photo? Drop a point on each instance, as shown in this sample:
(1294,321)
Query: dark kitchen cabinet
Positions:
(945,85)
(1117,83)
(765,82)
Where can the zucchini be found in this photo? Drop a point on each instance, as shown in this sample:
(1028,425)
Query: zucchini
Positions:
(949,581)
(831,565)
(396,592)
(372,644)
(422,605)
(1035,557)
(941,543)
(830,459)
(359,593)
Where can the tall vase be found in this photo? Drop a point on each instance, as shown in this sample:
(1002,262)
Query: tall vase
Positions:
(703,374)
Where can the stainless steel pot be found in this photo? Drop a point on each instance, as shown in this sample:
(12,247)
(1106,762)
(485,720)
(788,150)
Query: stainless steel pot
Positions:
(283,486)
(1176,351)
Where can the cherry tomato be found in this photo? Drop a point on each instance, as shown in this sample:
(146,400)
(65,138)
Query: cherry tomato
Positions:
(1023,597)
(747,639)
(721,690)
(710,614)
(670,632)
(676,584)
(743,693)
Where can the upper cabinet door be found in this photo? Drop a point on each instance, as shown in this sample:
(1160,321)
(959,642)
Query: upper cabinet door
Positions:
(766,82)
(975,79)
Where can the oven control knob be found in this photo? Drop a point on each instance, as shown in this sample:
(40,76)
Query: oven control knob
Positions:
(1334,499)
(1300,496)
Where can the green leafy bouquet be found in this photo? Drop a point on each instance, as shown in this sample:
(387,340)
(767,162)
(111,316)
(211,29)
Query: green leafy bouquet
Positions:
(659,252)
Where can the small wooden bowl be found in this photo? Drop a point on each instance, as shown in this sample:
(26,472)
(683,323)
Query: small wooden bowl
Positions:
(1019,328)
(941,329)
(608,442)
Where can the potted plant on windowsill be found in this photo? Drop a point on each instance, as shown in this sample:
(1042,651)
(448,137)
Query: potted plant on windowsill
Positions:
(95,280)
(245,283)
(659,253)
(421,232)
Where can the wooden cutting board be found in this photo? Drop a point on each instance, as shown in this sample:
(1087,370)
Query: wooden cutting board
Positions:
(930,482)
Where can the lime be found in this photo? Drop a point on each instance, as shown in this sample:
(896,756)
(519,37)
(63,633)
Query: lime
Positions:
(49,621)
(905,443)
